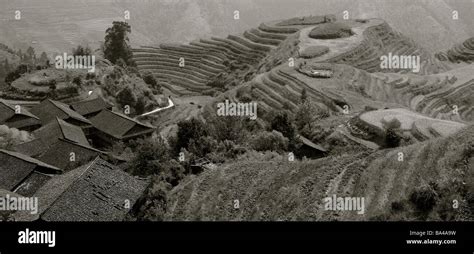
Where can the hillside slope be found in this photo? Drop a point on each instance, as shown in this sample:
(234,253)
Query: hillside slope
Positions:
(281,190)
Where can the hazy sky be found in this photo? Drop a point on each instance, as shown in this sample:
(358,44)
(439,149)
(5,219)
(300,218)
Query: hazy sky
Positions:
(58,25)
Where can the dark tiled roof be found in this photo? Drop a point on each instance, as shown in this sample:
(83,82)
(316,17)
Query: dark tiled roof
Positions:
(13,119)
(95,192)
(48,110)
(119,126)
(32,148)
(90,106)
(59,154)
(16,167)
(23,110)
(32,183)
(58,129)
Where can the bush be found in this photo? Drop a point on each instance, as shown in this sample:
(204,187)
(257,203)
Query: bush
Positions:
(393,133)
(424,198)
(397,206)
(392,138)
(331,31)
(150,80)
(77,80)
(152,204)
(152,158)
(16,74)
(307,116)
(269,141)
(282,122)
(126,97)
(82,51)
(189,130)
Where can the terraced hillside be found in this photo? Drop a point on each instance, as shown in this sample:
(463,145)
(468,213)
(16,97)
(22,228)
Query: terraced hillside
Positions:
(462,52)
(414,126)
(204,59)
(446,95)
(280,190)
(372,39)
(278,62)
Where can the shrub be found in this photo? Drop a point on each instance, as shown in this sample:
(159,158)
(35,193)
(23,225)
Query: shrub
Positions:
(150,80)
(152,204)
(393,133)
(392,138)
(424,198)
(126,97)
(397,206)
(82,51)
(188,130)
(149,156)
(16,74)
(307,116)
(331,31)
(202,146)
(282,122)
(269,141)
(77,80)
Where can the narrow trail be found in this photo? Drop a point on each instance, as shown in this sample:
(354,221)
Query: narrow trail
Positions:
(170,105)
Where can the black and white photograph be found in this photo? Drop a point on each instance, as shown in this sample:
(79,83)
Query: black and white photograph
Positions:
(199,113)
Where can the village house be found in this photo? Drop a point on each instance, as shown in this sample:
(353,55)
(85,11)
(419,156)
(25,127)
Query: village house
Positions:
(16,116)
(22,174)
(96,191)
(90,108)
(48,110)
(60,144)
(114,127)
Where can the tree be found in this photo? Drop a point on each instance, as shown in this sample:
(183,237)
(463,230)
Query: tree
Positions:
(150,79)
(307,116)
(43,60)
(148,154)
(127,97)
(189,130)
(282,122)
(82,51)
(116,45)
(30,54)
(77,80)
(304,95)
(393,133)
(14,75)
(52,85)
(269,141)
(6,66)
(140,106)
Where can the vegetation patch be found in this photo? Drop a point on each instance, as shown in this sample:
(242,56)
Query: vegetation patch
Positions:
(314,51)
(328,31)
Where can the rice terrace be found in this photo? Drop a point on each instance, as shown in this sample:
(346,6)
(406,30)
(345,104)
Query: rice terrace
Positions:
(119,110)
